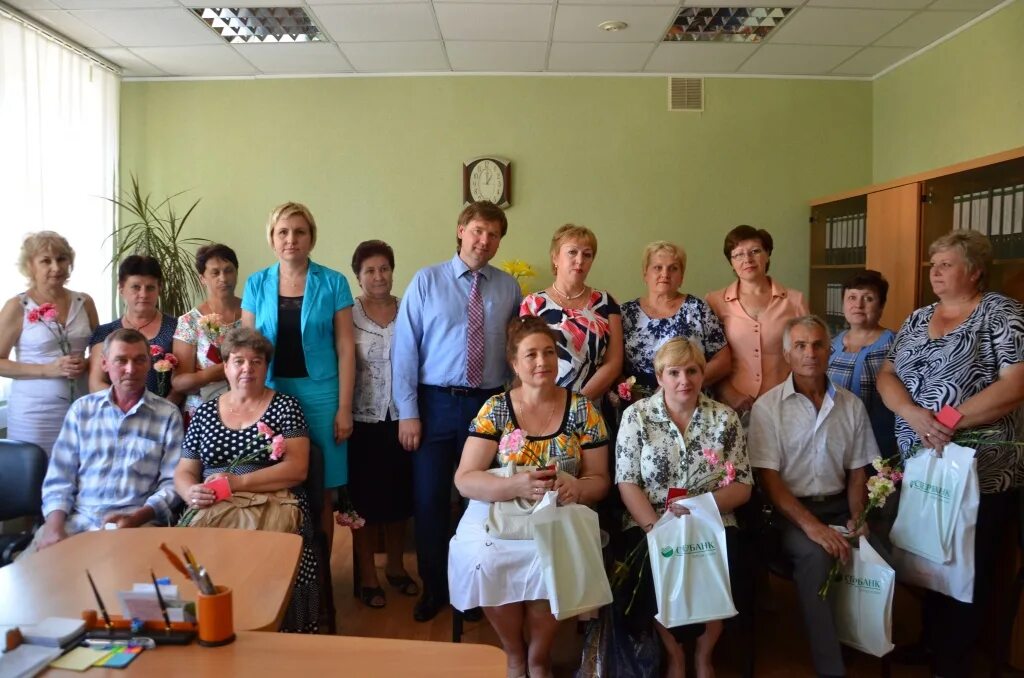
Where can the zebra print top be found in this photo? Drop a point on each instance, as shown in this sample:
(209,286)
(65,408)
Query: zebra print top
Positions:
(953,368)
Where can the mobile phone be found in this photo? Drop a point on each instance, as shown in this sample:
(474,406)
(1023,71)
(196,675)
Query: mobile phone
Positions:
(675,493)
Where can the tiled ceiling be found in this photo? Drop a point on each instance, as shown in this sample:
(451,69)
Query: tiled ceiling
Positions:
(846,38)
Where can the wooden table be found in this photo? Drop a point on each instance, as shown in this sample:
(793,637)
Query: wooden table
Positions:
(258,566)
(263,654)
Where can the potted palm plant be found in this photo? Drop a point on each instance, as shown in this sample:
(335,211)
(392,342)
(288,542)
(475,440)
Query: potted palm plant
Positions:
(154,229)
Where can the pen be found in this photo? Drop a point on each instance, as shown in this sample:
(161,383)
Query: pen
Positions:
(103,608)
(208,586)
(160,599)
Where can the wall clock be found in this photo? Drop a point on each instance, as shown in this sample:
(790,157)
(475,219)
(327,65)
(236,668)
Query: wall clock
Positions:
(487,178)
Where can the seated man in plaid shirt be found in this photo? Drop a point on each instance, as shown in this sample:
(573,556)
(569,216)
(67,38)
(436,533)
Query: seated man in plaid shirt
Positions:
(114,459)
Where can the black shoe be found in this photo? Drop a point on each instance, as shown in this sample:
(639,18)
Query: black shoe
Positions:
(473,614)
(911,654)
(427,607)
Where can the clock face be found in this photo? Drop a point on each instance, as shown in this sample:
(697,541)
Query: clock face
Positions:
(486,182)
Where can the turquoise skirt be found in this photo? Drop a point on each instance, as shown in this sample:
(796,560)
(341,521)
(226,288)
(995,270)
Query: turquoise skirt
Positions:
(319,401)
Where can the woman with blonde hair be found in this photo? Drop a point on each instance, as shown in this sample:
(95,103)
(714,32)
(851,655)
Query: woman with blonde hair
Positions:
(47,376)
(666,313)
(586,321)
(305,310)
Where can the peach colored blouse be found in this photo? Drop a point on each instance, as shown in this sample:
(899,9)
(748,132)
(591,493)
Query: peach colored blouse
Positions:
(757,360)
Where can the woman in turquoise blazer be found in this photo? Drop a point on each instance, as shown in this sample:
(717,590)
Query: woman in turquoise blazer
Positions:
(305,309)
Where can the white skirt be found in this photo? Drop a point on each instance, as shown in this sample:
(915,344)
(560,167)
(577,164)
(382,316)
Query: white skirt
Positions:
(487,572)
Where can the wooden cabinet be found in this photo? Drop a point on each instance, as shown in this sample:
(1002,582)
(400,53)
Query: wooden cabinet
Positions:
(903,217)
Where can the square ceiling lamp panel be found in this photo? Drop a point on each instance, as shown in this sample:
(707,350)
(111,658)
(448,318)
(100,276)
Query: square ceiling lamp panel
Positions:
(260,24)
(725,24)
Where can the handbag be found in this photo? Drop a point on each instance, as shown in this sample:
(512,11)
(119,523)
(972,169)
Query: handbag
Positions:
(268,511)
(510,519)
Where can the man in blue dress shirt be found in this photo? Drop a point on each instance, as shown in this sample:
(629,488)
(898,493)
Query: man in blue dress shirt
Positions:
(440,378)
(114,458)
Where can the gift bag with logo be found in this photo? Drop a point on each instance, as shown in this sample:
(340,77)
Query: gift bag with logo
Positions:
(690,565)
(569,548)
(955,577)
(862,601)
(930,501)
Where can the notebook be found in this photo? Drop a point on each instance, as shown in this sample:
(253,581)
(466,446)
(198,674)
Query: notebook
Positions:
(53,632)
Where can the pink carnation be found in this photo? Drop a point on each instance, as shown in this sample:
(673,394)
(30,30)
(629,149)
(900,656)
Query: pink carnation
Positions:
(277,447)
(896,476)
(711,456)
(33,315)
(730,474)
(48,312)
(349,519)
(264,429)
(163,366)
(625,393)
(513,442)
(169,357)
(155,351)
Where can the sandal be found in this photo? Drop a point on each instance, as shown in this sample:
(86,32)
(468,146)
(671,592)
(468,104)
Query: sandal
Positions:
(372,594)
(404,583)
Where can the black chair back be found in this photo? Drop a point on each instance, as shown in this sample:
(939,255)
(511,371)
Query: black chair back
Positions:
(22,469)
(314,484)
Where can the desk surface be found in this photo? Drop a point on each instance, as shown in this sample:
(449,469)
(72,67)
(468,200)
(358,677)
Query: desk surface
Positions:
(261,654)
(258,566)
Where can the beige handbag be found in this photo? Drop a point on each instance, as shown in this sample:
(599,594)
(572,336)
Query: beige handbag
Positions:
(510,519)
(269,511)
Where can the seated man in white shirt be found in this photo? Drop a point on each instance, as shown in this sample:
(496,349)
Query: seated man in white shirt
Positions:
(810,442)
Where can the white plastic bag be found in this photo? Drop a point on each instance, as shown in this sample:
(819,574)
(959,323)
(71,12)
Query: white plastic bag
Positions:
(933,489)
(568,543)
(862,601)
(954,578)
(690,565)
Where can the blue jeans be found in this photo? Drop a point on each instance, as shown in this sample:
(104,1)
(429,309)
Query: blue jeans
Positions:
(445,419)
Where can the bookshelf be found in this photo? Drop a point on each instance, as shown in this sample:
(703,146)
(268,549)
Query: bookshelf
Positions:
(901,218)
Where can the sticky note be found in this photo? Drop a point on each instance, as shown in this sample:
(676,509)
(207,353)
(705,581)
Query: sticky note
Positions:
(120,657)
(79,659)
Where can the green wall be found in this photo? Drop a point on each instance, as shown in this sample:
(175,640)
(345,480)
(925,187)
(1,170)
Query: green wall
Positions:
(382,157)
(960,100)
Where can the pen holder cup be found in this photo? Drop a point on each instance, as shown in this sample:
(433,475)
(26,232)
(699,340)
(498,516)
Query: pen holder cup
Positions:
(214,614)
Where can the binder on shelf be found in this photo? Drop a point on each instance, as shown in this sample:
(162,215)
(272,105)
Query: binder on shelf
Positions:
(995,231)
(958,212)
(1016,248)
(829,240)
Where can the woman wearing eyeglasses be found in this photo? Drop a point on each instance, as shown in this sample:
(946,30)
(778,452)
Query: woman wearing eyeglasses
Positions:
(753,310)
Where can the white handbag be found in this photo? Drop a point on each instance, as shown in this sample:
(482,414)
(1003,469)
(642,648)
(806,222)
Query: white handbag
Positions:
(930,501)
(690,565)
(954,578)
(862,601)
(510,519)
(568,543)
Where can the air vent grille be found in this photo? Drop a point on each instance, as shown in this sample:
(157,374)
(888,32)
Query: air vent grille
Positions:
(686,94)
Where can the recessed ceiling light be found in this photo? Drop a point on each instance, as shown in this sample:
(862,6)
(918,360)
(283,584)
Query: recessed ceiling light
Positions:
(613,26)
(726,24)
(260,24)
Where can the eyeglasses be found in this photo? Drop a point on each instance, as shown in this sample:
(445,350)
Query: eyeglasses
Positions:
(740,255)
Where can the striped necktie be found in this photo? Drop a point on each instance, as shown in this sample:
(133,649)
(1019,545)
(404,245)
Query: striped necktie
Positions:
(475,335)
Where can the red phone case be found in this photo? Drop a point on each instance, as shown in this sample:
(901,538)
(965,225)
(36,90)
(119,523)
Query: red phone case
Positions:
(221,488)
(949,416)
(675,493)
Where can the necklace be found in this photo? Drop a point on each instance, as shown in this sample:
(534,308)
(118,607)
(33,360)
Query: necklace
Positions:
(547,422)
(139,328)
(246,409)
(566,296)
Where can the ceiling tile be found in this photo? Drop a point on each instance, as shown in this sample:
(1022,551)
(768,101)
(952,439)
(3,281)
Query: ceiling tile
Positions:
(578,23)
(395,57)
(964,4)
(26,5)
(820,26)
(377,23)
(150,27)
(796,59)
(871,60)
(312,57)
(598,57)
(71,27)
(496,56)
(204,60)
(698,57)
(357,2)
(871,4)
(115,4)
(924,28)
(622,2)
(464,21)
(132,64)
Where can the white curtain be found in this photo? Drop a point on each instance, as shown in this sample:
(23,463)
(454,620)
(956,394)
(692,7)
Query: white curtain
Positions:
(58,158)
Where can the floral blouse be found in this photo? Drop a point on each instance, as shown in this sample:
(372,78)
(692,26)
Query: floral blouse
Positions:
(643,336)
(583,334)
(650,451)
(207,354)
(372,400)
(582,428)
